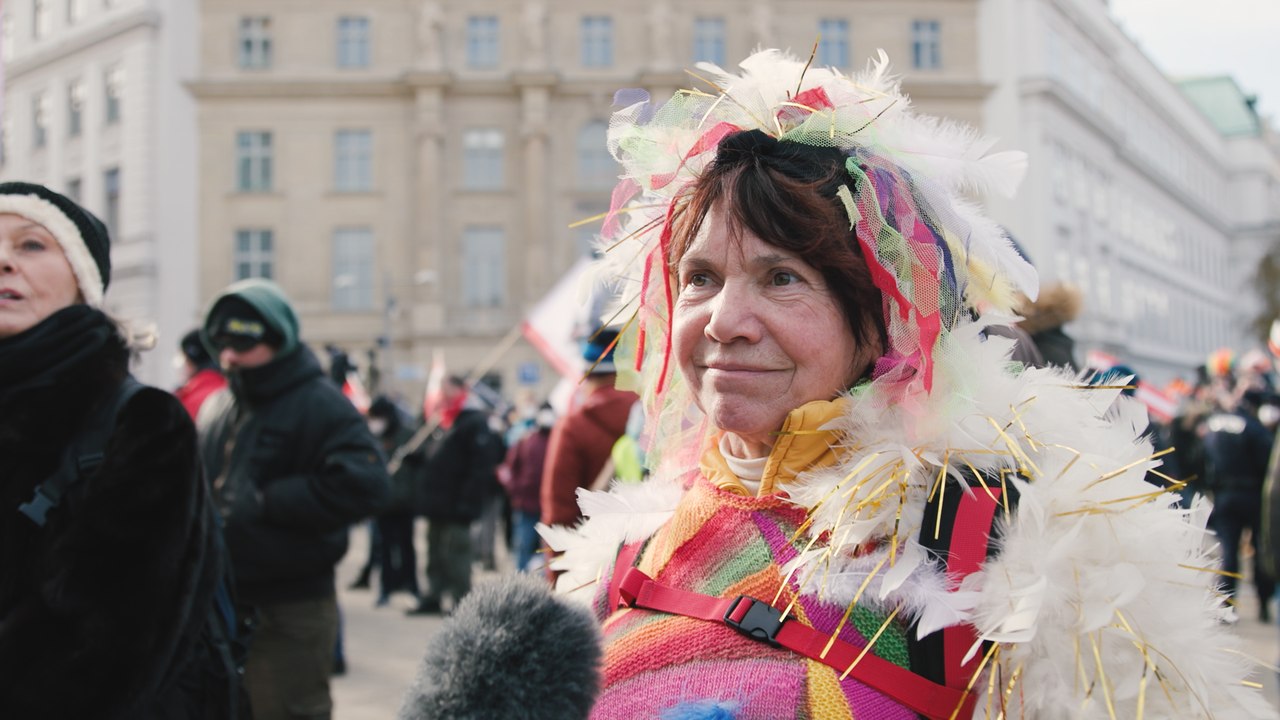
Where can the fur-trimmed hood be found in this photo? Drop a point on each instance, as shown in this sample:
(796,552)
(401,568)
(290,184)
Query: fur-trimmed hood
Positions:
(1057,305)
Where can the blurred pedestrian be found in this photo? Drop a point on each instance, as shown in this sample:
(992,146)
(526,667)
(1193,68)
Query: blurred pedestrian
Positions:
(628,457)
(462,456)
(1269,535)
(364,578)
(1186,433)
(583,438)
(201,375)
(1236,450)
(397,562)
(495,514)
(107,542)
(521,476)
(1127,378)
(1045,320)
(292,465)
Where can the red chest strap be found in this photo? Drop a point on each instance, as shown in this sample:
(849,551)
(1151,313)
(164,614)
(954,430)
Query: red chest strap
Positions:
(965,544)
(760,621)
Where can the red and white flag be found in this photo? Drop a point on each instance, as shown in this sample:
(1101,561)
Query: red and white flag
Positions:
(549,326)
(355,391)
(433,398)
(1160,405)
(1099,360)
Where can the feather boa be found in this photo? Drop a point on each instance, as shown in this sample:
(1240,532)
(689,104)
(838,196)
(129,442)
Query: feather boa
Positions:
(1099,601)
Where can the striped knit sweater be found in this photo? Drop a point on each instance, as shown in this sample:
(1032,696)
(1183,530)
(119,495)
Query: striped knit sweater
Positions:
(723,544)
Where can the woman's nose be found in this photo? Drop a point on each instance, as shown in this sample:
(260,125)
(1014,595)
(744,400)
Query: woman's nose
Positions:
(734,315)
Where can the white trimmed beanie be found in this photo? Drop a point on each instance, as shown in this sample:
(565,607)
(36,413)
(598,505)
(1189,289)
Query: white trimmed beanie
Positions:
(82,236)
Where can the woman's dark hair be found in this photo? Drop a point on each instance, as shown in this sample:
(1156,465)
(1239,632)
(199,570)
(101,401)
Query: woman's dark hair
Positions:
(785,194)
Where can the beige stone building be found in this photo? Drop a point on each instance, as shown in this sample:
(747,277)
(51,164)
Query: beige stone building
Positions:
(409,169)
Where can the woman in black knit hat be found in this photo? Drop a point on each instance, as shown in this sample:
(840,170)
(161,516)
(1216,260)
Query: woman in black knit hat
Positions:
(108,559)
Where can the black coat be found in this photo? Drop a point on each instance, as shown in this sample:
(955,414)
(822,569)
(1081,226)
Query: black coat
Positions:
(103,600)
(461,470)
(1057,347)
(1236,451)
(302,468)
(408,478)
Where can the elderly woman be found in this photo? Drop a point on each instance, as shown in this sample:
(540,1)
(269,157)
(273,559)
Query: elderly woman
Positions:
(859,506)
(108,554)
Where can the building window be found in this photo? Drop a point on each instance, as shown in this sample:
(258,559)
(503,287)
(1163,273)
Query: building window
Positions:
(254,254)
(40,18)
(484,281)
(253,161)
(39,120)
(75,189)
(596,168)
(833,44)
(353,42)
(353,161)
(483,42)
(75,11)
(75,107)
(708,40)
(111,201)
(255,42)
(926,44)
(113,86)
(597,41)
(482,159)
(352,269)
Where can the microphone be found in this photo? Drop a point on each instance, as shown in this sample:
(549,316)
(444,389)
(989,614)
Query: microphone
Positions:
(512,649)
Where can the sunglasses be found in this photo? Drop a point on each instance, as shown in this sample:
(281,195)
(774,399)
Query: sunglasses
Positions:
(238,343)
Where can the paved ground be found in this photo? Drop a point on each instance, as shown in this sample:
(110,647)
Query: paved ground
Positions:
(384,646)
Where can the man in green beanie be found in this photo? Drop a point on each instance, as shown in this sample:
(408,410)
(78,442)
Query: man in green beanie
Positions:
(292,465)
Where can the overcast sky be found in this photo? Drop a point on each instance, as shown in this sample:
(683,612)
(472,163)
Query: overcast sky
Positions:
(1240,38)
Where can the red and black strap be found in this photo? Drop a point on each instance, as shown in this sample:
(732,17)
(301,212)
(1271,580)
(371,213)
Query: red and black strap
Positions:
(760,621)
(936,685)
(962,535)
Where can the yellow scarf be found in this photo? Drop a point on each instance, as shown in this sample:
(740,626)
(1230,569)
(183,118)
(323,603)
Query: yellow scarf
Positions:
(802,444)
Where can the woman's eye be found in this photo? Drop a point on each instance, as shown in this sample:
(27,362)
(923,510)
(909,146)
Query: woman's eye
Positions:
(783,277)
(32,244)
(696,280)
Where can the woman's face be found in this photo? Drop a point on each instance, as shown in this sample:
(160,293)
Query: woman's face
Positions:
(35,278)
(757,333)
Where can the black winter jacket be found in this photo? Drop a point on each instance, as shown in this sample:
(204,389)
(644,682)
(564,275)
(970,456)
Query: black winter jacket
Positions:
(408,477)
(461,468)
(1236,450)
(104,600)
(292,465)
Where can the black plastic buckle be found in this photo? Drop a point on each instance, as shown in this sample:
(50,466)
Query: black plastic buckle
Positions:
(762,621)
(38,507)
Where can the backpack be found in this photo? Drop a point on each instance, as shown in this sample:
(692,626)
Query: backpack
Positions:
(210,683)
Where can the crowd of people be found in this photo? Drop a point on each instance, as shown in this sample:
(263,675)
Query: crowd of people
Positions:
(829,474)
(172,555)
(1221,443)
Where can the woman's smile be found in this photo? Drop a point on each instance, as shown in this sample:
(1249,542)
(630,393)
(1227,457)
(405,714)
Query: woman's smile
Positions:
(757,333)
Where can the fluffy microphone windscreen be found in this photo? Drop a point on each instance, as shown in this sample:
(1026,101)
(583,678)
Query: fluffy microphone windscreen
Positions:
(512,649)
